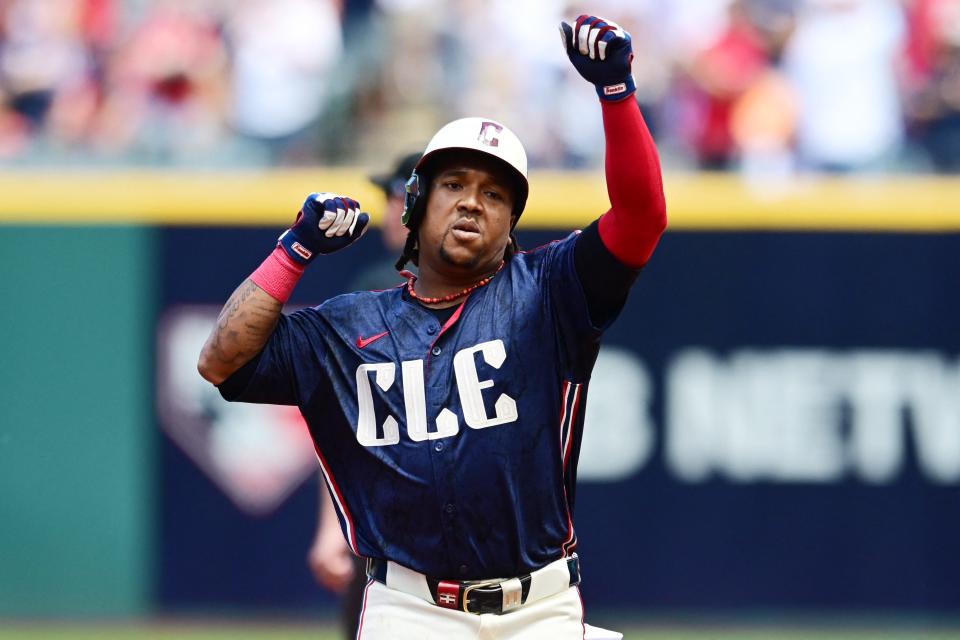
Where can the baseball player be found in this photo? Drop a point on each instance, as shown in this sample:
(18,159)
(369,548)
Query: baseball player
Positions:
(447,413)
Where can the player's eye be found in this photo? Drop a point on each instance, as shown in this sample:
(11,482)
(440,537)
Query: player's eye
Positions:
(494,195)
(453,185)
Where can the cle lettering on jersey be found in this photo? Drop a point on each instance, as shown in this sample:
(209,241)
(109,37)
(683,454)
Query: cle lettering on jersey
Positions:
(469,386)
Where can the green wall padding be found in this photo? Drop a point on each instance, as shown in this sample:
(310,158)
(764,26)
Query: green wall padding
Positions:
(76,335)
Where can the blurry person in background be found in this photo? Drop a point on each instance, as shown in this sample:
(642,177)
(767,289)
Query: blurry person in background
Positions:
(334,566)
(685,30)
(330,559)
(841,61)
(933,81)
(383,274)
(400,94)
(721,74)
(283,54)
(763,118)
(165,86)
(525,94)
(72,121)
(41,52)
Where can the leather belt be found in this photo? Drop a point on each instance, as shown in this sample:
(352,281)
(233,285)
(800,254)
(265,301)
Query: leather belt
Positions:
(482,596)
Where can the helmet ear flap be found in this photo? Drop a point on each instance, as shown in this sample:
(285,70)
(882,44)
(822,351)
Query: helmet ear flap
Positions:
(411,197)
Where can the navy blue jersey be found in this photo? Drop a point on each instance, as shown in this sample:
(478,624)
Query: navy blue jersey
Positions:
(448,449)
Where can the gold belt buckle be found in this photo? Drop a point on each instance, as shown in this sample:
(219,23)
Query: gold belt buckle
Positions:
(467,589)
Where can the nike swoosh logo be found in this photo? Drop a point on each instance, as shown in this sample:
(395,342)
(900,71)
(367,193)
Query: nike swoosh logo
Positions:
(362,342)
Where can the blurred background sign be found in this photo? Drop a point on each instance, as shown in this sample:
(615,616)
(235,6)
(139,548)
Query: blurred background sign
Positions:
(257,454)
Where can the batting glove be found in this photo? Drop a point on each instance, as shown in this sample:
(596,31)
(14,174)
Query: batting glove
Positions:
(601,52)
(326,223)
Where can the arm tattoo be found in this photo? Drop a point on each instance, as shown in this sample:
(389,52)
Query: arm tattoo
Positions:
(245,324)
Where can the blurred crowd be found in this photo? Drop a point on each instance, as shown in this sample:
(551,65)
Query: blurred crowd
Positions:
(765,87)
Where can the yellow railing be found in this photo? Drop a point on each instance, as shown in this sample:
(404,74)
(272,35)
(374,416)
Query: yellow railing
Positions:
(557,199)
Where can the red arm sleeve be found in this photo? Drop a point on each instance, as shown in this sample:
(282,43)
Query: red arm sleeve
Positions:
(638,215)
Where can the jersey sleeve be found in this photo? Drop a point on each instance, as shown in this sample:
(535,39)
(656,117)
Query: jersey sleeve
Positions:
(605,279)
(587,285)
(271,377)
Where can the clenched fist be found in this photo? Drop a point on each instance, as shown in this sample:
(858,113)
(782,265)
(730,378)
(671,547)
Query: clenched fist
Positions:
(601,52)
(327,222)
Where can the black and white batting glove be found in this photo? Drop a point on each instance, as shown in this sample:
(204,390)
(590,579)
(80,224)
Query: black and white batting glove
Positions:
(327,222)
(601,51)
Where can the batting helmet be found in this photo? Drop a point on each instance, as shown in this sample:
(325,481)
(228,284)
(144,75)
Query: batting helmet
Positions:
(470,134)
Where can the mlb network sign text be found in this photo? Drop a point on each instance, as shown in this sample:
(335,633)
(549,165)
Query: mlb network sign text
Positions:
(782,416)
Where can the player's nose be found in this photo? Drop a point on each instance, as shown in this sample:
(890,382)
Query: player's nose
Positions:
(470,199)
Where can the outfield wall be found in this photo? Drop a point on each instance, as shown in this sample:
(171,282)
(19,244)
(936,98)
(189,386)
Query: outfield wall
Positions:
(773,424)
(77,441)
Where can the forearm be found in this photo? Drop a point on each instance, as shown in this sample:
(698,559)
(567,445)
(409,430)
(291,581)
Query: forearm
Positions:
(249,317)
(245,324)
(637,217)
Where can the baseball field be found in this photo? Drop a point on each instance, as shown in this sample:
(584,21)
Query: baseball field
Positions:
(285,631)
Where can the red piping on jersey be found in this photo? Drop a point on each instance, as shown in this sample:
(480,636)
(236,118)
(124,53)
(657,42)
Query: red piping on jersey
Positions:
(338,501)
(363,609)
(563,416)
(544,245)
(565,550)
(452,320)
(565,445)
(569,430)
(638,215)
(571,539)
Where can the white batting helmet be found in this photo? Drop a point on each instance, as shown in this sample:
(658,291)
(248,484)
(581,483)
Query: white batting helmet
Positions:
(473,134)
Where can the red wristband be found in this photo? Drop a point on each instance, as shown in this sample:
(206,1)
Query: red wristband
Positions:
(278,275)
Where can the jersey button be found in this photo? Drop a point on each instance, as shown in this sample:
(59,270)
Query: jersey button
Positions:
(437,351)
(438,447)
(432,329)
(450,509)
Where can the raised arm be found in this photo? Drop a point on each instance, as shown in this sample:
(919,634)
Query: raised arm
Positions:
(610,252)
(326,222)
(638,212)
(602,52)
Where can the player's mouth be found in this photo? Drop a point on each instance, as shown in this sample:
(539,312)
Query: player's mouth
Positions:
(466,230)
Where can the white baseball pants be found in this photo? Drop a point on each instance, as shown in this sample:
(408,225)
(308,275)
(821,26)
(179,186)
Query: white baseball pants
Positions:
(389,614)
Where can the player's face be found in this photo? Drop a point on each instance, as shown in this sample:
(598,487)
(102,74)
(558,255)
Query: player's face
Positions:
(468,218)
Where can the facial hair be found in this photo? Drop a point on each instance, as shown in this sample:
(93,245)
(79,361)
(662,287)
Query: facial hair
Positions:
(471,264)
